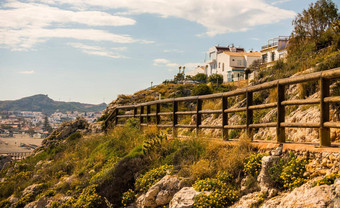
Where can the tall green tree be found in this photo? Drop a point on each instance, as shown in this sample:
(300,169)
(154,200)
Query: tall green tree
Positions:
(46,125)
(314,21)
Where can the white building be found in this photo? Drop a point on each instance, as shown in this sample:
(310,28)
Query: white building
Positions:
(197,70)
(275,49)
(212,59)
(231,65)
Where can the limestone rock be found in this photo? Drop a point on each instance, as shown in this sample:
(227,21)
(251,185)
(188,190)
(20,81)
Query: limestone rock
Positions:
(308,196)
(32,189)
(265,182)
(40,203)
(184,198)
(248,200)
(161,193)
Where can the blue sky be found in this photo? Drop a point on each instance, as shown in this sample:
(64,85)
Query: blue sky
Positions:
(92,50)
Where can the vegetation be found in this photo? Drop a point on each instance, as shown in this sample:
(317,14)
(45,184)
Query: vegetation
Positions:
(216,78)
(288,173)
(200,77)
(253,164)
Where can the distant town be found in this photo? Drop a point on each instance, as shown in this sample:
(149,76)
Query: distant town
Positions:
(37,124)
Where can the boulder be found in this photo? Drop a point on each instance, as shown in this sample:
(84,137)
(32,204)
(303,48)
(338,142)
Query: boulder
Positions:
(32,189)
(308,196)
(184,198)
(5,161)
(161,193)
(264,179)
(40,203)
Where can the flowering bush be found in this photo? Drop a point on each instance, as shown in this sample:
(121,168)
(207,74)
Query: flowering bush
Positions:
(328,179)
(218,198)
(208,184)
(221,195)
(128,197)
(224,176)
(144,182)
(253,164)
(292,173)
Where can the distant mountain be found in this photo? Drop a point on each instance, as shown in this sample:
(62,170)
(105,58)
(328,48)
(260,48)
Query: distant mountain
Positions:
(46,105)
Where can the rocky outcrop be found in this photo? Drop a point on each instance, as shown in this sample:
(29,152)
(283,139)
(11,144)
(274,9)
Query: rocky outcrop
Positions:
(5,161)
(161,193)
(308,196)
(184,198)
(64,131)
(264,179)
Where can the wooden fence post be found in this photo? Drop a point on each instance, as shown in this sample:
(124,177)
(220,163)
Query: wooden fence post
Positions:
(280,131)
(249,96)
(148,110)
(116,120)
(174,119)
(158,109)
(324,132)
(134,112)
(140,115)
(198,116)
(224,118)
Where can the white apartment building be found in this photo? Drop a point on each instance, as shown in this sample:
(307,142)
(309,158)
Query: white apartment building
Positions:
(275,49)
(231,65)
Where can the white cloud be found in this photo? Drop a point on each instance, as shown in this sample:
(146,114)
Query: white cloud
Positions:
(96,50)
(22,25)
(27,72)
(26,38)
(165,63)
(280,2)
(218,16)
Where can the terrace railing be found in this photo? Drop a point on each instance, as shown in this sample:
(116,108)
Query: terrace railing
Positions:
(143,110)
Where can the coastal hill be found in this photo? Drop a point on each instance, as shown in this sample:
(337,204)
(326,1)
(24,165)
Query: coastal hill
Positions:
(47,105)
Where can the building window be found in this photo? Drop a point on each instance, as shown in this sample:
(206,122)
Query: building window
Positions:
(222,66)
(219,65)
(233,59)
(273,56)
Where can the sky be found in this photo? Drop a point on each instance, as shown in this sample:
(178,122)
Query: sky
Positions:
(90,51)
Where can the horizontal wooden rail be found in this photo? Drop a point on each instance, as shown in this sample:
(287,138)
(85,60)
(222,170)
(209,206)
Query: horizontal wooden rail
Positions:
(335,99)
(324,77)
(263,106)
(301,102)
(234,110)
(301,125)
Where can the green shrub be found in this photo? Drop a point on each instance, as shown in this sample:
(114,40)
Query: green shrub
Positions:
(224,176)
(88,198)
(216,78)
(128,197)
(201,89)
(328,179)
(24,200)
(330,62)
(132,123)
(144,182)
(5,204)
(234,133)
(200,77)
(253,165)
(208,184)
(292,173)
(218,198)
(275,173)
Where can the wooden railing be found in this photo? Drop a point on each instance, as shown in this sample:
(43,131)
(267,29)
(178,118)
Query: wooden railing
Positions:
(143,110)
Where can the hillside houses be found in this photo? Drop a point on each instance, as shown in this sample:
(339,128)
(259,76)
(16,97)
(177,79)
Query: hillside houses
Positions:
(275,49)
(231,62)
